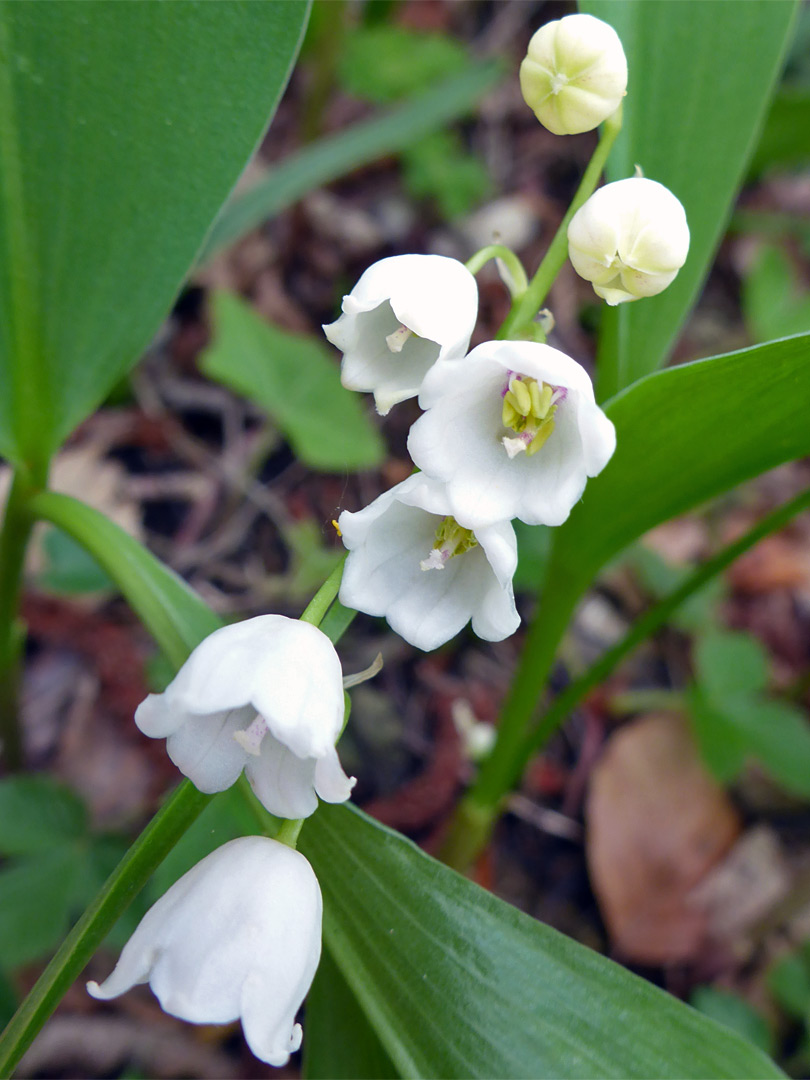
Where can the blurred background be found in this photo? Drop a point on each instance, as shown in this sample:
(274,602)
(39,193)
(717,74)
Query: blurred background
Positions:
(657,828)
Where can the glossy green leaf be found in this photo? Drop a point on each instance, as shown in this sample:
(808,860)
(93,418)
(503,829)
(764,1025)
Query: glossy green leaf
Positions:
(685,435)
(457,983)
(122,129)
(37,813)
(336,155)
(297,380)
(692,114)
(340,1043)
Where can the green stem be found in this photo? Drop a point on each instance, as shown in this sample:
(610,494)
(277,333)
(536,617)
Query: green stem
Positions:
(519,283)
(320,603)
(526,306)
(518,741)
(16,531)
(160,835)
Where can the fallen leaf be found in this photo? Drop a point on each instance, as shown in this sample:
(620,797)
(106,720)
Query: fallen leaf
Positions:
(656,824)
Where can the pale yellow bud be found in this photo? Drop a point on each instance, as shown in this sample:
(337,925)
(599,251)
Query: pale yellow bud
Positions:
(629,239)
(574,75)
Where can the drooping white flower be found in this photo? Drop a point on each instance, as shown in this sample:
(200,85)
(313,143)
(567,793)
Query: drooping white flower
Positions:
(410,562)
(237,937)
(574,74)
(264,695)
(629,239)
(402,315)
(516,434)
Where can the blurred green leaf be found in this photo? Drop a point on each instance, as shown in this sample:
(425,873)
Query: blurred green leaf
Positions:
(660,578)
(457,983)
(734,1013)
(779,736)
(120,136)
(692,129)
(723,747)
(70,570)
(785,138)
(789,982)
(336,155)
(385,63)
(35,899)
(8,999)
(37,813)
(296,380)
(730,664)
(773,303)
(439,167)
(340,1042)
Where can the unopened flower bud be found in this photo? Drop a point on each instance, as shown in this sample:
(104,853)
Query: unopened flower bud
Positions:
(629,239)
(574,75)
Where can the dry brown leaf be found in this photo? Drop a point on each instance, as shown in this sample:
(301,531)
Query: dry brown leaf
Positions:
(656,824)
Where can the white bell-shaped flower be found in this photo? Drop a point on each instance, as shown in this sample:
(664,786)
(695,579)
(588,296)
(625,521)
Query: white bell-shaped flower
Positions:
(410,562)
(402,315)
(629,239)
(574,75)
(264,695)
(515,433)
(237,937)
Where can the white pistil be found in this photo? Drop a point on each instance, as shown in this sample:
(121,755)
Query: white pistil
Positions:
(396,340)
(517,445)
(251,738)
(435,561)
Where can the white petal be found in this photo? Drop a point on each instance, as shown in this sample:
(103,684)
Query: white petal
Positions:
(282,782)
(205,751)
(156,717)
(298,689)
(331,782)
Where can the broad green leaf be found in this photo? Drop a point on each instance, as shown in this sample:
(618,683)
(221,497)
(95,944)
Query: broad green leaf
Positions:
(340,1043)
(735,1013)
(35,899)
(458,983)
(37,813)
(774,305)
(691,117)
(685,435)
(297,381)
(122,129)
(730,664)
(335,155)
